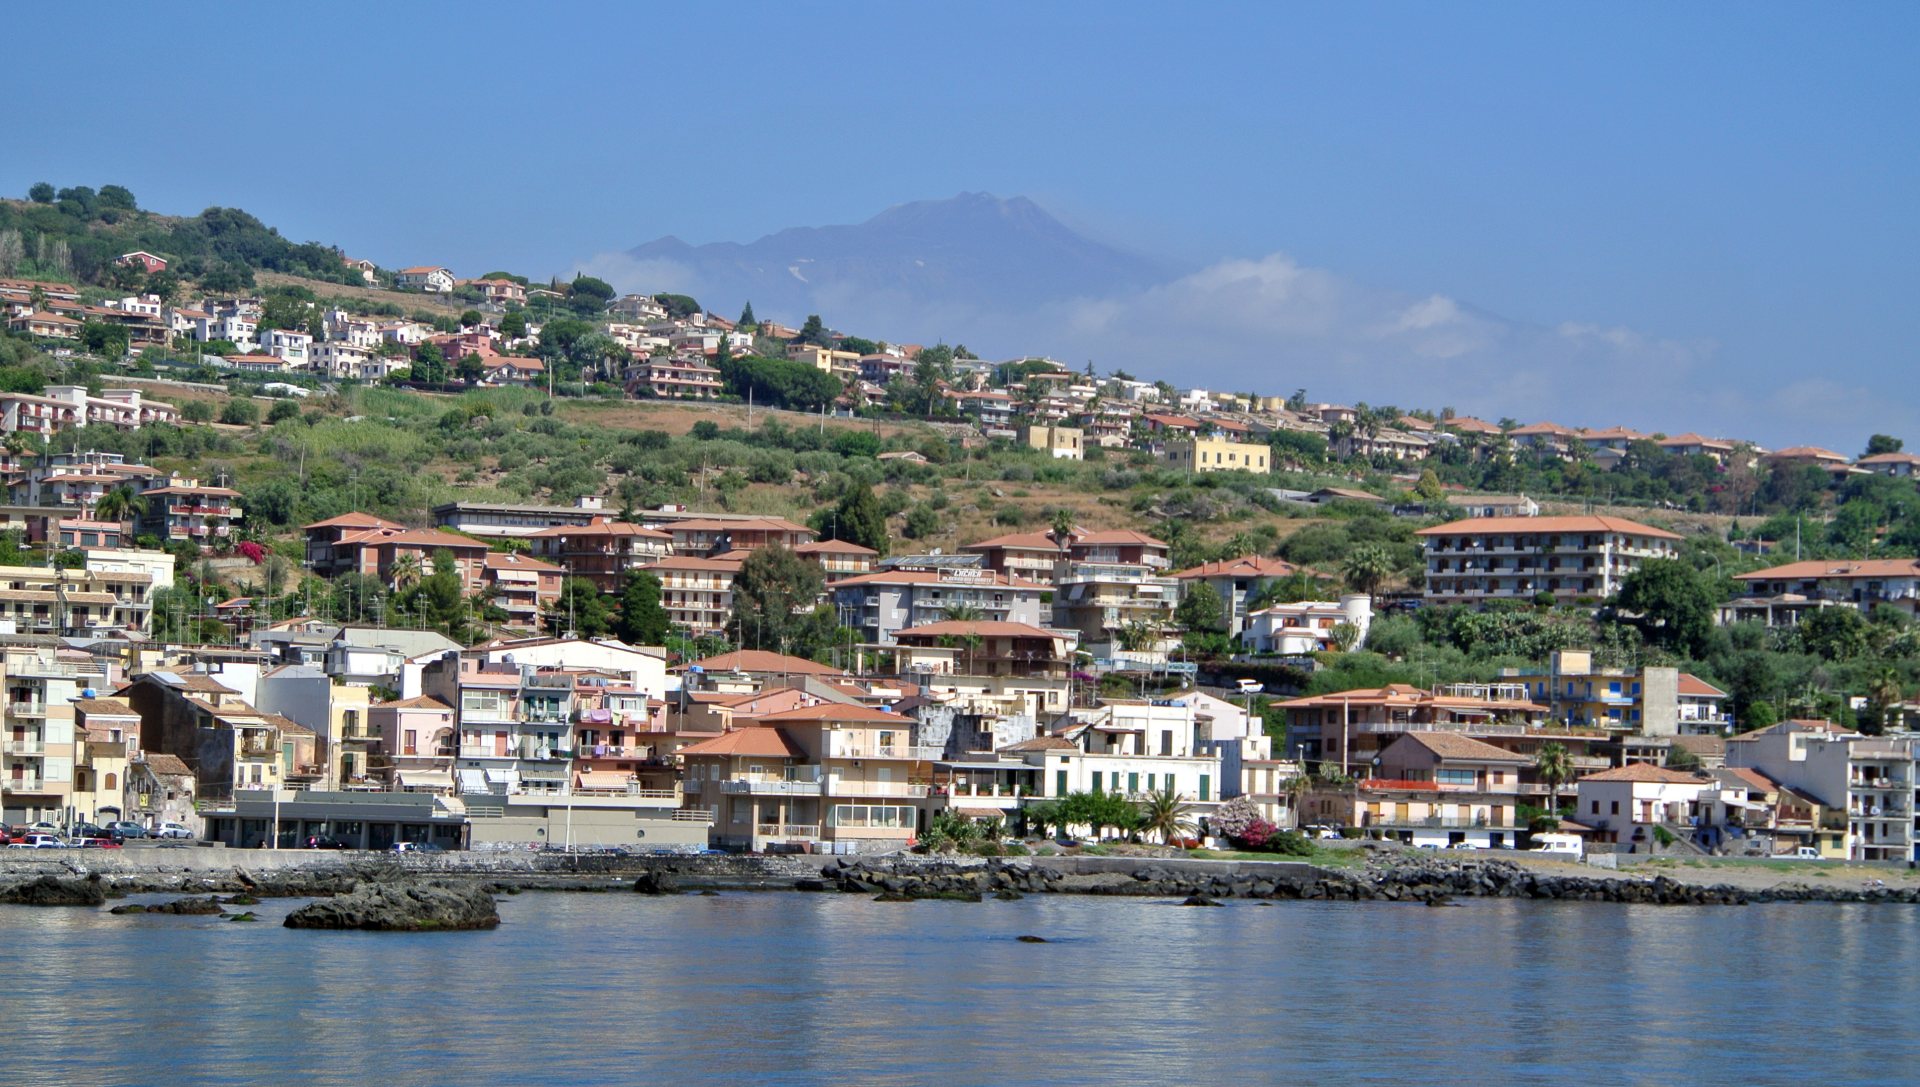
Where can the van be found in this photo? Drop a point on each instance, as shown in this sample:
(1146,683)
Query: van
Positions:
(1558,846)
(1806,853)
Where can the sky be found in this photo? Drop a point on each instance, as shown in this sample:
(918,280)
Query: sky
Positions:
(1666,216)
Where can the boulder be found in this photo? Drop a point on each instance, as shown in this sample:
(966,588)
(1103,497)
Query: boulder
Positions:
(54,891)
(401,907)
(192,907)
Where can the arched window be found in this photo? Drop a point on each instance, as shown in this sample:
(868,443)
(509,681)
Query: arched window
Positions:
(113,782)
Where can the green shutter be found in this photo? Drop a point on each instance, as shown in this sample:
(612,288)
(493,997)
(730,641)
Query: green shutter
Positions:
(1060,783)
(1205,781)
(1133,783)
(1096,781)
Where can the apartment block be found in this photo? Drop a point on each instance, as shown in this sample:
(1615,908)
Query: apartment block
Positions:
(1519,558)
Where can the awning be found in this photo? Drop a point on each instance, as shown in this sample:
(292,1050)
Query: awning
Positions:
(426,779)
(473,781)
(602,779)
(500,777)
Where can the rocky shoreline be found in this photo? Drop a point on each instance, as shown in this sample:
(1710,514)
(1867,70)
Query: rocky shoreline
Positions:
(1400,877)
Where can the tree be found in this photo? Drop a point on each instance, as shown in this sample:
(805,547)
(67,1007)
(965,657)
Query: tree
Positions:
(240,411)
(283,411)
(1429,488)
(471,367)
(117,197)
(678,305)
(406,571)
(746,322)
(1201,609)
(1673,603)
(1883,443)
(581,610)
(120,504)
(41,193)
(196,411)
(642,620)
(1366,566)
(1166,813)
(814,331)
(773,596)
(109,341)
(1836,633)
(471,318)
(1555,767)
(858,519)
(513,325)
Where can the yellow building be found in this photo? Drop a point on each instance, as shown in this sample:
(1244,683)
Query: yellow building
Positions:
(1060,442)
(1217,455)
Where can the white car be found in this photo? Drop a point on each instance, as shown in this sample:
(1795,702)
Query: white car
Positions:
(39,841)
(172,830)
(1251,686)
(1463,845)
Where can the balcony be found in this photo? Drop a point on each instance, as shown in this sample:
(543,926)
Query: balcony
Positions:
(897,789)
(788,831)
(27,709)
(25,747)
(25,785)
(885,751)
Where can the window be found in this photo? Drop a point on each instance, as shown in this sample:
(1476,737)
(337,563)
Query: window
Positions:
(1133,783)
(1096,782)
(1453,777)
(1616,808)
(409,744)
(1595,809)
(1206,787)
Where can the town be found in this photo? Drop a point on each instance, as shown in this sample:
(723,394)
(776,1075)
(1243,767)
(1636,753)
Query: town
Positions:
(304,552)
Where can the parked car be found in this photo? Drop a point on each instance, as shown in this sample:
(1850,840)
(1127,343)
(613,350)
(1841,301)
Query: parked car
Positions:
(1463,845)
(418,847)
(322,841)
(126,828)
(1250,686)
(88,830)
(42,827)
(96,843)
(1806,853)
(38,841)
(173,830)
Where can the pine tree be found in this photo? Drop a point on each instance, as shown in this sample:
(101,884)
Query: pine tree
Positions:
(858,519)
(746,316)
(642,620)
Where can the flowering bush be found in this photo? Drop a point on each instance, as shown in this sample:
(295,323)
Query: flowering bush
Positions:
(252,552)
(1233,818)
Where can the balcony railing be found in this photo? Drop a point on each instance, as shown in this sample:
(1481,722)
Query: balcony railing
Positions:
(770,787)
(787,831)
(25,785)
(26,747)
(27,709)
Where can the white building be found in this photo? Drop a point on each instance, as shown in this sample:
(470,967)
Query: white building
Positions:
(1308,626)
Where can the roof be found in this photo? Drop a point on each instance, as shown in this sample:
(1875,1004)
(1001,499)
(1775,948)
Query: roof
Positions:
(1115,536)
(1398,785)
(1482,526)
(1644,774)
(836,547)
(1752,779)
(751,740)
(167,764)
(1691,438)
(418,702)
(835,712)
(411,537)
(602,526)
(934,577)
(1031,541)
(504,560)
(1796,451)
(692,564)
(104,707)
(1693,686)
(1452,745)
(1844,568)
(1040,743)
(1348,492)
(1891,458)
(763,660)
(980,629)
(1244,566)
(355,520)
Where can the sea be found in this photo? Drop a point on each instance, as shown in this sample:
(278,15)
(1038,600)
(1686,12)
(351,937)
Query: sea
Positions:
(788,988)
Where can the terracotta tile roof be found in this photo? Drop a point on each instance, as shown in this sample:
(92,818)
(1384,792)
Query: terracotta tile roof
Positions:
(1640,772)
(507,560)
(411,537)
(355,520)
(167,764)
(1029,541)
(753,740)
(418,702)
(1110,537)
(1452,745)
(1695,687)
(762,660)
(1814,569)
(833,547)
(1752,779)
(831,712)
(1244,566)
(982,629)
(1040,743)
(1482,526)
(104,707)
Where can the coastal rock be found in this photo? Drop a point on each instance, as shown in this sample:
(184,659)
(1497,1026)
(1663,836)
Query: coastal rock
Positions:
(54,891)
(401,907)
(655,883)
(187,907)
(1200,900)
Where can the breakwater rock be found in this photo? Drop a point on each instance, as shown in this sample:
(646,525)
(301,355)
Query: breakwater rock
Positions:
(54,891)
(402,907)
(1418,880)
(188,907)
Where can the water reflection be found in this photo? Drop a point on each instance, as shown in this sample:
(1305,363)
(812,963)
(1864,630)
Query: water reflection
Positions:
(809,989)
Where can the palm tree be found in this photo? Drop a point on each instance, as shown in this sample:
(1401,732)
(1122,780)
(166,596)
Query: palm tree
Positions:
(962,613)
(119,504)
(1366,566)
(1166,813)
(406,570)
(1555,767)
(1884,693)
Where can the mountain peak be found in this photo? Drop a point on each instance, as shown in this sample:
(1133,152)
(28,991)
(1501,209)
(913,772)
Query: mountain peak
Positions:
(968,251)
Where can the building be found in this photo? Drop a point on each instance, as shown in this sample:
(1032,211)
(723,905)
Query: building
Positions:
(1058,442)
(1348,728)
(1864,785)
(506,519)
(1494,505)
(697,593)
(838,558)
(521,586)
(1653,701)
(182,510)
(1238,582)
(1519,558)
(1432,789)
(1216,455)
(847,778)
(602,550)
(1113,588)
(51,326)
(502,292)
(42,757)
(363,544)
(674,378)
(429,278)
(707,535)
(1865,584)
(1637,806)
(1309,626)
(878,604)
(1900,465)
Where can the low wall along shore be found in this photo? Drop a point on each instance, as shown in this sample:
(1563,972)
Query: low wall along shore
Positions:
(1404,877)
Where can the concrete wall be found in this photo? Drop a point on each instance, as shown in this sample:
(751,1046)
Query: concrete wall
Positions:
(542,824)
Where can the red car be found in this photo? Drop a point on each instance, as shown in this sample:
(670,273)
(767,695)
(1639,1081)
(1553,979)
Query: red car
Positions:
(97,843)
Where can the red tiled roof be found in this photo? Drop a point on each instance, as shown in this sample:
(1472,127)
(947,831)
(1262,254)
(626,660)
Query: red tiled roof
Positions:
(1482,526)
(753,740)
(1244,566)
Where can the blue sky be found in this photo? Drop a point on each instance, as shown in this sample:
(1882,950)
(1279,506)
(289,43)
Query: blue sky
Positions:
(1723,194)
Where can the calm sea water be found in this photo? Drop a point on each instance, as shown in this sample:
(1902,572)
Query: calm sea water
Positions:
(817,989)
